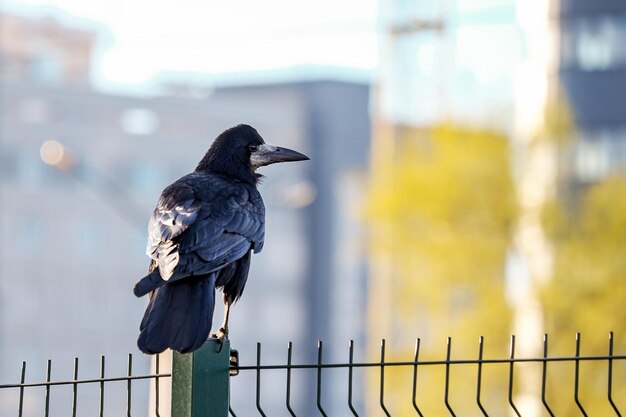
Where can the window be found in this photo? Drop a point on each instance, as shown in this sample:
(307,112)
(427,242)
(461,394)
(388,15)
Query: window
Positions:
(145,178)
(594,43)
(29,168)
(404,11)
(29,234)
(90,238)
(7,164)
(592,160)
(139,121)
(601,153)
(46,69)
(33,110)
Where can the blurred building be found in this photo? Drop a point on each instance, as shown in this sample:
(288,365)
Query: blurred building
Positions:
(498,62)
(44,51)
(73,230)
(592,71)
(505,64)
(440,61)
(447,60)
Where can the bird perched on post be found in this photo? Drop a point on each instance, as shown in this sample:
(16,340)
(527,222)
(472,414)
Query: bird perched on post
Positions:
(200,237)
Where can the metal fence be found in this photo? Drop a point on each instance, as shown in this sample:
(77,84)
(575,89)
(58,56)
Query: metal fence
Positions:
(16,392)
(207,372)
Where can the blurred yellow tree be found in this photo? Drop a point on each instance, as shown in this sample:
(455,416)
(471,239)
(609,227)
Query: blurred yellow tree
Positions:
(588,291)
(441,214)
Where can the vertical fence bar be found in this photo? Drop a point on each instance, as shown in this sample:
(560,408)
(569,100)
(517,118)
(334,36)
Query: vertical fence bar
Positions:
(511,363)
(48,375)
(75,388)
(447,381)
(288,399)
(129,386)
(382,378)
(350,371)
(22,379)
(101,408)
(610,377)
(233,371)
(157,385)
(480,374)
(258,379)
(415,362)
(576,376)
(200,381)
(319,377)
(544,373)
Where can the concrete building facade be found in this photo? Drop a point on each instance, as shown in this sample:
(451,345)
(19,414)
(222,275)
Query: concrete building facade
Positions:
(73,236)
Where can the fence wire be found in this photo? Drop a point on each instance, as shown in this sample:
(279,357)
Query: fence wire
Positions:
(381,404)
(79,386)
(356,402)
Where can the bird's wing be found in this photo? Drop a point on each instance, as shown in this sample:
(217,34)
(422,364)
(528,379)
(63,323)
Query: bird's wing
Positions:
(176,210)
(202,224)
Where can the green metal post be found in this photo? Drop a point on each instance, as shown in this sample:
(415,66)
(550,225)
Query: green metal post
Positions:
(200,381)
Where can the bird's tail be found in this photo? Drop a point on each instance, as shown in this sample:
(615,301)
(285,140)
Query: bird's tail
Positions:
(179,316)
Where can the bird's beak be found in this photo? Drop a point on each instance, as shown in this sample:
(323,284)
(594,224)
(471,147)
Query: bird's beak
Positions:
(269,154)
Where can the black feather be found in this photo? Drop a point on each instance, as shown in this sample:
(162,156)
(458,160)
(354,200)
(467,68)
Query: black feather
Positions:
(234,285)
(229,154)
(178,316)
(148,283)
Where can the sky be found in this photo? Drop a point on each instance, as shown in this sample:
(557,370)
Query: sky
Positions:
(144,44)
(139,39)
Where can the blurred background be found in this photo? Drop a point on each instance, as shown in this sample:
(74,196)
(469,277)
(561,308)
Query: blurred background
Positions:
(466,179)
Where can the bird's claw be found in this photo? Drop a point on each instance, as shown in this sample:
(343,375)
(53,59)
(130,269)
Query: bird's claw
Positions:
(221,335)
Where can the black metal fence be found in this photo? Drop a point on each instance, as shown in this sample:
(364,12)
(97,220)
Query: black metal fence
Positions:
(371,397)
(14,394)
(379,387)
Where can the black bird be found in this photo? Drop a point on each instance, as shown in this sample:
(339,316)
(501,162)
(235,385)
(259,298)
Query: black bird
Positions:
(200,237)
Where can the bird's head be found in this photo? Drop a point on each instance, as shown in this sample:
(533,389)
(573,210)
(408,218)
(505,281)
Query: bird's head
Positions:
(240,150)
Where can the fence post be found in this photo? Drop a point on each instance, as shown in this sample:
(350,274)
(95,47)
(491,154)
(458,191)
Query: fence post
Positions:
(200,381)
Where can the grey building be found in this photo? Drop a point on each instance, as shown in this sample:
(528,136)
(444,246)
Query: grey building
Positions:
(592,72)
(73,235)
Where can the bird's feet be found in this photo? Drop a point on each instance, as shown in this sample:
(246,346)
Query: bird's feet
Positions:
(221,335)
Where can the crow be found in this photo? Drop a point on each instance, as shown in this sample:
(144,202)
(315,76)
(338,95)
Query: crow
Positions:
(200,237)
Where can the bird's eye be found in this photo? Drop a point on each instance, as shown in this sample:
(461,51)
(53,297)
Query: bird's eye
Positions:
(253,148)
